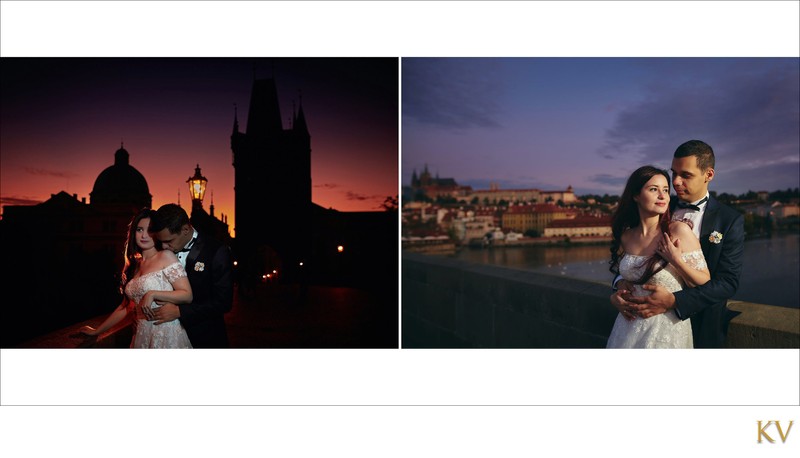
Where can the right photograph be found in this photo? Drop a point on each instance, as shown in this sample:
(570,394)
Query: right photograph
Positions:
(600,203)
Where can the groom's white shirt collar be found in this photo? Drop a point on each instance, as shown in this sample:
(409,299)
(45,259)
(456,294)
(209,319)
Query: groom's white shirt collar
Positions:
(695,216)
(182,255)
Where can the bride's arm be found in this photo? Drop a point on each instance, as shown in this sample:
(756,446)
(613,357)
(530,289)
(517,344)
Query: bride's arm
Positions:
(181,294)
(671,248)
(176,275)
(116,316)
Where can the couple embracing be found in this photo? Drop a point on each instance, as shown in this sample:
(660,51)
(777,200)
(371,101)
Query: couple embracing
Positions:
(177,283)
(677,261)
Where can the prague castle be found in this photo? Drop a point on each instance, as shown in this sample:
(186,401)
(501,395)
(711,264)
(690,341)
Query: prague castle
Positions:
(434,187)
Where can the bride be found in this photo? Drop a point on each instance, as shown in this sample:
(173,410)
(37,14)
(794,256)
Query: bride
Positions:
(149,275)
(649,248)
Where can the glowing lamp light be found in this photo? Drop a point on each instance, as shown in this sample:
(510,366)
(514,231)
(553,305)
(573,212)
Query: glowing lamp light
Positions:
(274,271)
(301,263)
(340,248)
(264,277)
(197,185)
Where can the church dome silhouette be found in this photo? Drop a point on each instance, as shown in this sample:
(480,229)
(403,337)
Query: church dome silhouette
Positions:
(121,184)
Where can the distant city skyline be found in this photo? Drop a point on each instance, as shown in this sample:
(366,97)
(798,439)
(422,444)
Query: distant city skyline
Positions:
(548,123)
(484,184)
(63,119)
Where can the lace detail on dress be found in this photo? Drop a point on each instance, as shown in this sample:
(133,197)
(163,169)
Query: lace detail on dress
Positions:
(695,259)
(146,333)
(174,271)
(661,331)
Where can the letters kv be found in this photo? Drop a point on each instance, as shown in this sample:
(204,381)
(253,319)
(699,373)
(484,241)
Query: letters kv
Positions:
(763,433)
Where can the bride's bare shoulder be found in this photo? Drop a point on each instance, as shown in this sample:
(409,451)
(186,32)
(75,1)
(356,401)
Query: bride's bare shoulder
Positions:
(680,228)
(166,257)
(682,231)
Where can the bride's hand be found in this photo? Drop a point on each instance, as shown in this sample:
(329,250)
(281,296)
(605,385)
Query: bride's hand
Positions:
(147,299)
(144,305)
(669,249)
(89,331)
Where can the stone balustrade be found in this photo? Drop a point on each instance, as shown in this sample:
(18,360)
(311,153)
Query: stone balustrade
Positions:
(448,303)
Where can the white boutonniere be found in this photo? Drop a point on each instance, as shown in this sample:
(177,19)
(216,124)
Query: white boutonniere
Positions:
(199,266)
(715,237)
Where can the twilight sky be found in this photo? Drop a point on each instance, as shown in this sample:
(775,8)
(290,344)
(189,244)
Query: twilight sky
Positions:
(63,118)
(589,122)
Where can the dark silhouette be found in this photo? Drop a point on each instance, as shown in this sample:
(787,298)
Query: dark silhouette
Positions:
(67,253)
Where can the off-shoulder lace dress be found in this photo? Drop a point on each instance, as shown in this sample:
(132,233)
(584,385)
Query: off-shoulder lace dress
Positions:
(146,334)
(665,330)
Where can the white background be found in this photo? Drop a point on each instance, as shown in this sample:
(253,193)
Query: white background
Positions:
(397,402)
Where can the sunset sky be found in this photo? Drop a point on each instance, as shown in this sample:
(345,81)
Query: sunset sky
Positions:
(589,122)
(63,119)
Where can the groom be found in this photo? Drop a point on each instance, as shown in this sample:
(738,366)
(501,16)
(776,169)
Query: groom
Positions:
(721,232)
(208,266)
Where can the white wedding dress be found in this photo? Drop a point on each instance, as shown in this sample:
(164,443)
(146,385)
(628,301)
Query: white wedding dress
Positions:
(146,334)
(665,330)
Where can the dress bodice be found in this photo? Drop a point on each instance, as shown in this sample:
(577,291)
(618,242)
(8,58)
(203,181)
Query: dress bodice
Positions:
(159,280)
(664,330)
(631,268)
(146,334)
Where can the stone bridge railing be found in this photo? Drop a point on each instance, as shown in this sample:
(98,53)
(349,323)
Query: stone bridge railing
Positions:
(119,336)
(452,304)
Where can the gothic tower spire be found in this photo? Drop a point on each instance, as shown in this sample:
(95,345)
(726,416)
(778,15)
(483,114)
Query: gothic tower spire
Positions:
(264,117)
(300,122)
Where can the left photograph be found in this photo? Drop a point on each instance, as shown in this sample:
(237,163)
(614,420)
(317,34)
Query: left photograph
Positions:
(199,202)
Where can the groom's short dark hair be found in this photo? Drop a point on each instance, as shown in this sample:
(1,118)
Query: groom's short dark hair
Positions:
(170,216)
(699,149)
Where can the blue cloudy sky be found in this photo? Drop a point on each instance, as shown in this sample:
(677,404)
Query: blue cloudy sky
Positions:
(589,122)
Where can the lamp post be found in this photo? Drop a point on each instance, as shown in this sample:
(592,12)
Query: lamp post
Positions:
(197,187)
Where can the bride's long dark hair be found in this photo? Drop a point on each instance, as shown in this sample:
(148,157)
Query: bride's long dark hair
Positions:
(133,254)
(627,216)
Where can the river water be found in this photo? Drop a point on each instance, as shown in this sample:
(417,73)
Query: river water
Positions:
(770,271)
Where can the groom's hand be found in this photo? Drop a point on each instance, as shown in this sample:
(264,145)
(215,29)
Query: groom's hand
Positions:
(618,300)
(658,302)
(166,313)
(624,284)
(147,311)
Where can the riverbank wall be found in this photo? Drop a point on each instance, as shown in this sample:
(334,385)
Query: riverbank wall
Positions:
(447,303)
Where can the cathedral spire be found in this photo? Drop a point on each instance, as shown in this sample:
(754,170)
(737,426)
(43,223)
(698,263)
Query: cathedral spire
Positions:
(300,121)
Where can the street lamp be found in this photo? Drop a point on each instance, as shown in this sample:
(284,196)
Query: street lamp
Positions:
(197,186)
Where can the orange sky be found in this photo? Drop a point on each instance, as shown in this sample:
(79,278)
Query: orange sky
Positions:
(64,119)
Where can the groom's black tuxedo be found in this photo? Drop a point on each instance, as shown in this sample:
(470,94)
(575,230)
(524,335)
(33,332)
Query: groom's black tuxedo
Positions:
(208,266)
(706,305)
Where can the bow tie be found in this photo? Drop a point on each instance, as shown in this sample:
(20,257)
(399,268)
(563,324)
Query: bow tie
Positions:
(695,207)
(188,247)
